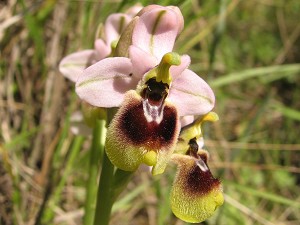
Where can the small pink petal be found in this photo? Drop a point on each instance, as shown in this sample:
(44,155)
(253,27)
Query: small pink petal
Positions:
(149,8)
(179,17)
(142,61)
(114,26)
(174,8)
(156,31)
(191,94)
(73,64)
(177,70)
(133,11)
(186,120)
(102,50)
(104,83)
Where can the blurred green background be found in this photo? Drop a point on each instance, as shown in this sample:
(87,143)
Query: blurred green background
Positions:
(248,51)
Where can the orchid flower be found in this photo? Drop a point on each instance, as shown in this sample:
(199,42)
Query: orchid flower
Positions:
(152,66)
(146,127)
(153,36)
(195,194)
(73,64)
(105,83)
(153,87)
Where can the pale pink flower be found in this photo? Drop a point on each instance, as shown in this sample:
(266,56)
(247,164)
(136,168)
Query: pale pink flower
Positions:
(72,65)
(105,83)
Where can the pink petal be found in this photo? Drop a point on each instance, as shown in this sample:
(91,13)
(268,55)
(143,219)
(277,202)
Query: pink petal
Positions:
(179,17)
(114,26)
(186,120)
(156,31)
(104,83)
(73,64)
(102,50)
(149,8)
(132,11)
(142,61)
(174,8)
(177,70)
(191,94)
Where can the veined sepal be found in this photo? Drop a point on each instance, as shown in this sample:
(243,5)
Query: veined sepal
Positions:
(132,140)
(125,39)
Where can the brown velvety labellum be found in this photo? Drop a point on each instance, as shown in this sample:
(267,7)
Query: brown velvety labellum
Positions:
(138,131)
(199,182)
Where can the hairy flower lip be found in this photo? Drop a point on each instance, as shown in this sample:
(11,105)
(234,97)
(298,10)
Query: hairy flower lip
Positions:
(196,193)
(131,138)
(132,120)
(198,179)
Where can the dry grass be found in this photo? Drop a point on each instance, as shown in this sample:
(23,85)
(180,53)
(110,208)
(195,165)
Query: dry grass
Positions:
(255,147)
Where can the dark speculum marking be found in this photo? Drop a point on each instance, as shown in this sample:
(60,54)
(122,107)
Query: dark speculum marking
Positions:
(149,134)
(200,181)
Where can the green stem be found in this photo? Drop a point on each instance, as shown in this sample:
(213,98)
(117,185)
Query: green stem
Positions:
(104,200)
(110,185)
(120,181)
(96,153)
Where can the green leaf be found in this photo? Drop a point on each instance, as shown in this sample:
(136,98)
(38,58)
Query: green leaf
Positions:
(244,75)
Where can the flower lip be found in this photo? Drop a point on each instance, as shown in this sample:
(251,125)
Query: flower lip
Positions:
(138,131)
(133,140)
(199,175)
(199,180)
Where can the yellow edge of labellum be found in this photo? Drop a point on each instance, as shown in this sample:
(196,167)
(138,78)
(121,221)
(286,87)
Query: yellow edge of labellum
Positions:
(150,158)
(191,206)
(196,211)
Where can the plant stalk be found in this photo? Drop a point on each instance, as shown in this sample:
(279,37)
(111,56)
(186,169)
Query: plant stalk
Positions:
(96,154)
(104,198)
